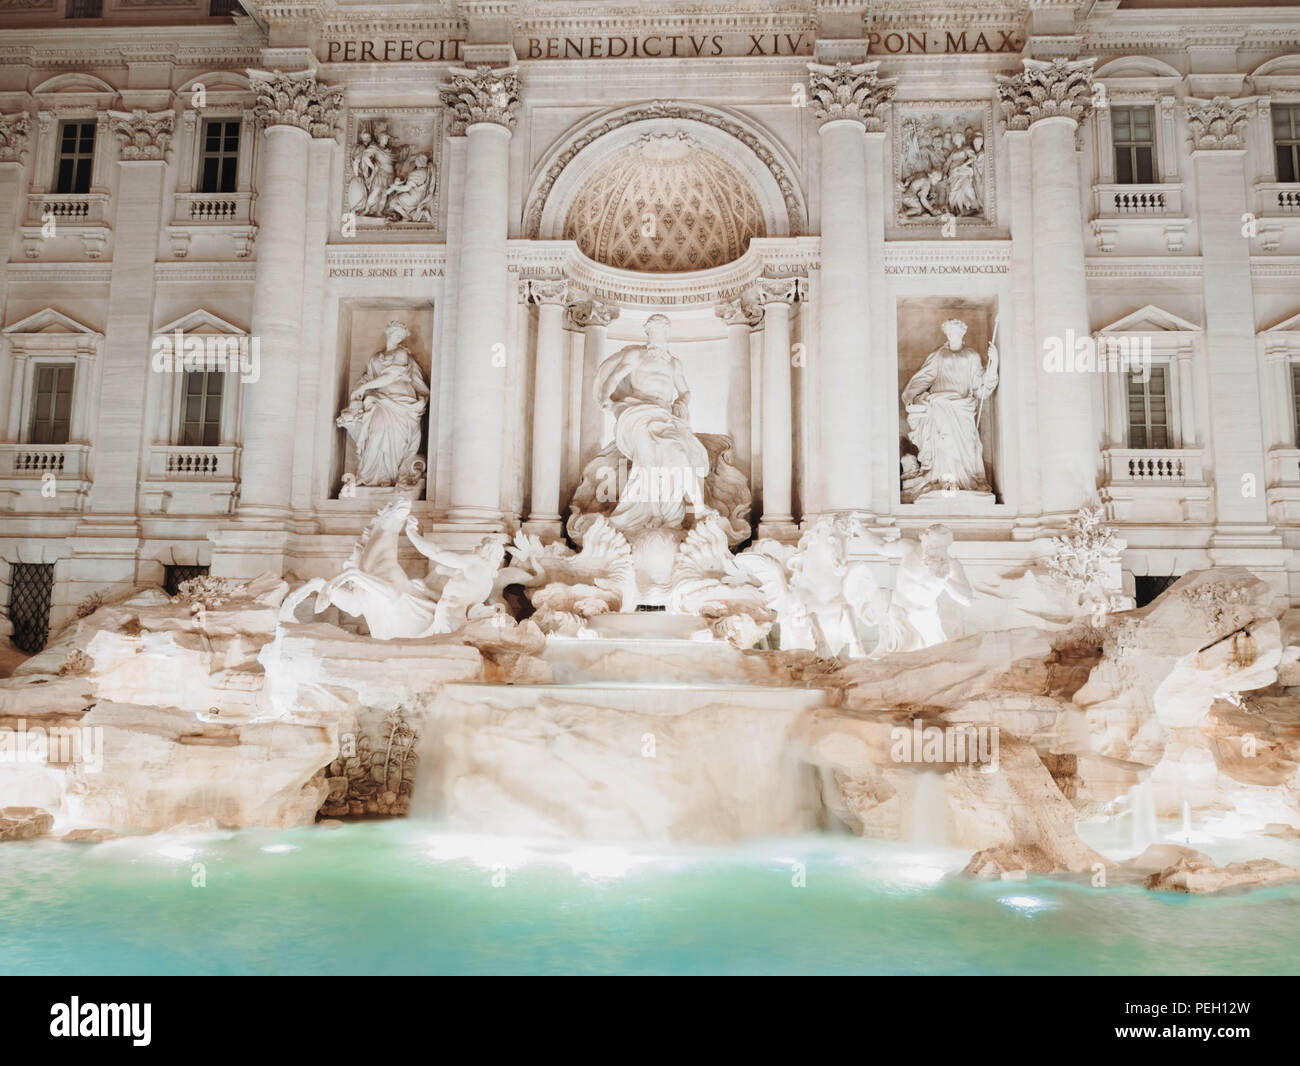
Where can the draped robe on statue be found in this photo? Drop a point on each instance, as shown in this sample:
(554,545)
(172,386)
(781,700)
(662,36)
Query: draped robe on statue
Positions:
(668,461)
(941,402)
(384,416)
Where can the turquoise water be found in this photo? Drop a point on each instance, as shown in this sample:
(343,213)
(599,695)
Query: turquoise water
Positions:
(403,898)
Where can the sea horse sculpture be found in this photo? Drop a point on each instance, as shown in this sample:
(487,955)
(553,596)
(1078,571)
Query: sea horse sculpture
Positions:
(372,584)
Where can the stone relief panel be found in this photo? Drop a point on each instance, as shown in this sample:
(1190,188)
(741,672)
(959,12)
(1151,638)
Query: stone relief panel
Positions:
(943,166)
(947,377)
(383,402)
(391,178)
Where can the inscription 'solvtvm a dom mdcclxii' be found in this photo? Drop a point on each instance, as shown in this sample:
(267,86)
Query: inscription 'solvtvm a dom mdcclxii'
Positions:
(1101,198)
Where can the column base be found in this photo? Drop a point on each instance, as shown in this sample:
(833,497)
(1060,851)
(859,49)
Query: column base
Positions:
(264,515)
(1246,538)
(548,527)
(104,560)
(477,519)
(246,553)
(778,527)
(866,517)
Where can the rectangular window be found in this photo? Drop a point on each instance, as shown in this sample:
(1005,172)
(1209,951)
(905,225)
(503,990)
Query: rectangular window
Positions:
(1286,141)
(76,157)
(1148,409)
(222,8)
(217,169)
(201,408)
(1134,132)
(29,605)
(85,9)
(51,404)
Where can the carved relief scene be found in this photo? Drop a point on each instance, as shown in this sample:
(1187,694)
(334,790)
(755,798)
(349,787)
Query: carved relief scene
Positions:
(943,164)
(391,172)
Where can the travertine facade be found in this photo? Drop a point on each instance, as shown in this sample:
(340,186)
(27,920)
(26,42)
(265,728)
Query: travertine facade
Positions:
(808,190)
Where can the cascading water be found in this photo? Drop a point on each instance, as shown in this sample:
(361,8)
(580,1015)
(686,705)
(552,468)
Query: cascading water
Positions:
(1186,833)
(929,814)
(1142,811)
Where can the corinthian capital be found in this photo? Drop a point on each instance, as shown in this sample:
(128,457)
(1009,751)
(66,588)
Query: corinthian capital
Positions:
(788,288)
(1217,124)
(14,130)
(485,94)
(593,313)
(742,311)
(546,290)
(1047,89)
(143,134)
(850,90)
(298,100)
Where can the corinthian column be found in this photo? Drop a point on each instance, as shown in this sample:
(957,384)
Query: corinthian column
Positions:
(593,318)
(144,139)
(482,105)
(292,109)
(1218,128)
(550,296)
(1050,99)
(776,296)
(848,98)
(740,315)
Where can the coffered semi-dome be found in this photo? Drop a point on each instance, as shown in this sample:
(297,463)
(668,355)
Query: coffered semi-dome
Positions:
(665,204)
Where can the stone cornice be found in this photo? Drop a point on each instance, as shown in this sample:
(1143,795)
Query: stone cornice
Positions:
(1145,266)
(485,94)
(766,256)
(297,100)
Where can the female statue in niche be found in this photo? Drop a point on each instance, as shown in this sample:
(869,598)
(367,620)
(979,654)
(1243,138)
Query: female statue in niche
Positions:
(384,413)
(944,400)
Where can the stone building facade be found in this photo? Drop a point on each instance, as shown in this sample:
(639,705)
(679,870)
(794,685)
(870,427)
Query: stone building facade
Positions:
(209,218)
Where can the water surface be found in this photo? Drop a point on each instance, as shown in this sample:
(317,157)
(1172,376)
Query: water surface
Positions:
(404,898)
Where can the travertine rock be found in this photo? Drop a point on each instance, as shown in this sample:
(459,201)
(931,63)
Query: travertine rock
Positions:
(23,823)
(1198,874)
(1007,861)
(164,768)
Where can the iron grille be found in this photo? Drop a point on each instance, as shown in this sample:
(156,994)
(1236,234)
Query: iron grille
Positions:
(174,575)
(29,604)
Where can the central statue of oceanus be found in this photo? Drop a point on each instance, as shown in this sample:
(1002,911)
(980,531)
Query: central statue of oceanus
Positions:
(657,473)
(658,479)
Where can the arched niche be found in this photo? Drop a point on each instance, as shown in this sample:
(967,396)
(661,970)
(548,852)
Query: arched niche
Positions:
(766,168)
